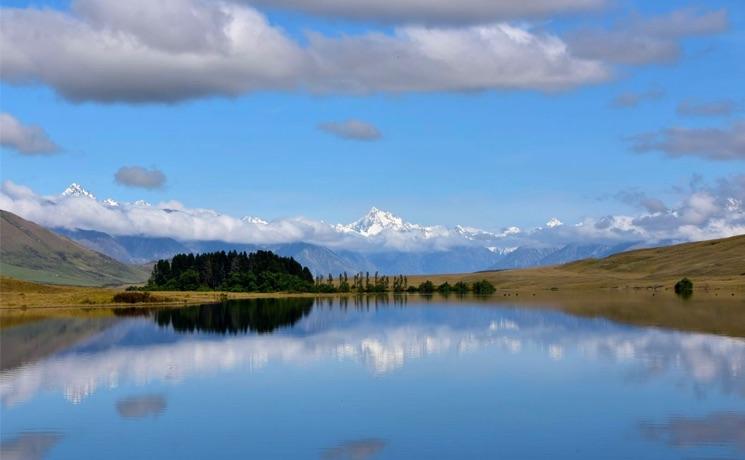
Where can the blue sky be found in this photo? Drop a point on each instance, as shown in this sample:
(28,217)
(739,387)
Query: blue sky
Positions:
(487,158)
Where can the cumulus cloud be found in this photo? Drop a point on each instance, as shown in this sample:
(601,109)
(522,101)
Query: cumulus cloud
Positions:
(24,139)
(221,48)
(137,176)
(352,129)
(706,109)
(710,143)
(496,56)
(638,40)
(632,99)
(640,199)
(435,11)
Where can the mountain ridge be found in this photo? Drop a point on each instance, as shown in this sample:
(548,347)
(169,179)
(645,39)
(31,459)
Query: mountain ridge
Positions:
(31,252)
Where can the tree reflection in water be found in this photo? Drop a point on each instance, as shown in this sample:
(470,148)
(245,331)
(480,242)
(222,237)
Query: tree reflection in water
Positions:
(236,316)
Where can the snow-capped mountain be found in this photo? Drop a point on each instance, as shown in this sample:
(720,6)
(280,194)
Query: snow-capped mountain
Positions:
(554,222)
(378,230)
(381,241)
(254,220)
(77,190)
(377,221)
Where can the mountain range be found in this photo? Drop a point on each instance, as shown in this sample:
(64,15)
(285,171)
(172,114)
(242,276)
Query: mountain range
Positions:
(379,241)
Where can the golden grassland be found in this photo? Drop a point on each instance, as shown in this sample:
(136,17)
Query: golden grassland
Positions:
(716,265)
(22,295)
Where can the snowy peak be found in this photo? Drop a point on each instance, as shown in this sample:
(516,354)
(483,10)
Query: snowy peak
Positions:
(254,220)
(110,203)
(376,221)
(554,222)
(77,190)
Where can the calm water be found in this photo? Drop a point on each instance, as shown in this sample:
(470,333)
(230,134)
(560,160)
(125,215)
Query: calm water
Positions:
(376,379)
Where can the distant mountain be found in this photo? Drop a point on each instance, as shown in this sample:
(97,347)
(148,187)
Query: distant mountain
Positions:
(128,249)
(322,260)
(31,252)
(383,242)
(522,258)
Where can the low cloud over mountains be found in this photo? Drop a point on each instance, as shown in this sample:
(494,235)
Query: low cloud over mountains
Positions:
(705,211)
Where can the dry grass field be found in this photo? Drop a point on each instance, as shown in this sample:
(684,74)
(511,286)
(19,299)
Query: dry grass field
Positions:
(716,265)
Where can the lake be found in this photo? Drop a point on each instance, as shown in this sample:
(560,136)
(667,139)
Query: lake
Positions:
(366,378)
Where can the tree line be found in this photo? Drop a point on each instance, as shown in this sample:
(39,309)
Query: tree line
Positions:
(260,271)
(264,271)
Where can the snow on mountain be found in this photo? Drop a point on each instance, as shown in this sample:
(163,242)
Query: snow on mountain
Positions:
(554,222)
(377,221)
(254,220)
(78,191)
(378,230)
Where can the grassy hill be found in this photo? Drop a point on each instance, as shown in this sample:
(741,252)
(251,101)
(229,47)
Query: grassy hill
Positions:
(714,264)
(715,258)
(31,252)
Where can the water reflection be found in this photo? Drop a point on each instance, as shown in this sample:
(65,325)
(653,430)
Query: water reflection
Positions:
(141,406)
(237,317)
(361,449)
(174,344)
(29,446)
(718,429)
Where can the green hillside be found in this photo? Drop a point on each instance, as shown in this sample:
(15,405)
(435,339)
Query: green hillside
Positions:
(31,252)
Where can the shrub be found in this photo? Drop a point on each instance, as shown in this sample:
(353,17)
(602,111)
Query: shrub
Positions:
(427,287)
(133,297)
(460,287)
(444,288)
(483,287)
(684,287)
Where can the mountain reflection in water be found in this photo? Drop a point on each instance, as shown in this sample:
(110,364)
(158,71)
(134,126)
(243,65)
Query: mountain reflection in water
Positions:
(368,377)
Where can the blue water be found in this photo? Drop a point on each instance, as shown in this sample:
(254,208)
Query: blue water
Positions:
(374,380)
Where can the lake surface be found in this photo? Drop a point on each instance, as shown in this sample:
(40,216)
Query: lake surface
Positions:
(373,378)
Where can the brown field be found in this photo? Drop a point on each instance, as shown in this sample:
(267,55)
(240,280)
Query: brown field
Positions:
(24,295)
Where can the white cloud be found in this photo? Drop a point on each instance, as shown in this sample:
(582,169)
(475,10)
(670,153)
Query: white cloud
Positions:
(435,11)
(24,139)
(632,98)
(137,176)
(710,143)
(352,129)
(497,56)
(638,40)
(220,48)
(704,212)
(719,108)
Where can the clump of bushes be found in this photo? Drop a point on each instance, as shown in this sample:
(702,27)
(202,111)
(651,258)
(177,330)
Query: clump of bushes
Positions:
(427,287)
(460,287)
(135,297)
(483,287)
(684,287)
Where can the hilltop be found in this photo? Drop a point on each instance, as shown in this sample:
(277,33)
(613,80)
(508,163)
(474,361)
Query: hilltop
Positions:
(711,264)
(31,252)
